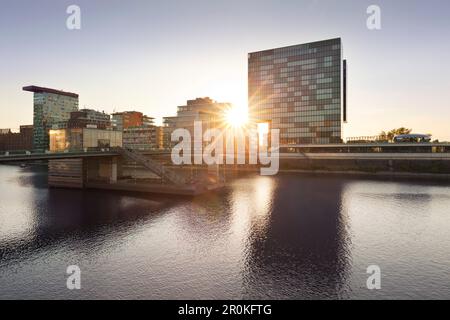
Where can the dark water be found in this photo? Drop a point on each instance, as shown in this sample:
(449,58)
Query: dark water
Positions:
(285,237)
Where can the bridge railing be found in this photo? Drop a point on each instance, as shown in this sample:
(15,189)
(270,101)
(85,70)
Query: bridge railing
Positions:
(44,152)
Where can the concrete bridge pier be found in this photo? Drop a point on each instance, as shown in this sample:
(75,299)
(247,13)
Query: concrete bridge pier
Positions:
(76,173)
(106,172)
(103,169)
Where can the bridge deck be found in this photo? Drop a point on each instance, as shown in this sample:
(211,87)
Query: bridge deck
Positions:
(51,156)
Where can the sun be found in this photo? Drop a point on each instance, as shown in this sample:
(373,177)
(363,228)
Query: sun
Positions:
(236,116)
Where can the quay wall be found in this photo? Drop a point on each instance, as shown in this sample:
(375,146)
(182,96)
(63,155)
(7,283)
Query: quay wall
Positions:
(434,166)
(365,163)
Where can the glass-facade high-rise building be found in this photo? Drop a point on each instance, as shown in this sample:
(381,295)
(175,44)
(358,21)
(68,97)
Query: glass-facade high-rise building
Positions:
(300,91)
(51,109)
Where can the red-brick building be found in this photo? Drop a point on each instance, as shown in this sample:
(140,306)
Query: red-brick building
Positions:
(130,119)
(11,141)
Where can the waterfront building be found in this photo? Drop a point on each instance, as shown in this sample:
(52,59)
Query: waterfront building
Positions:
(51,108)
(83,139)
(12,141)
(300,90)
(210,112)
(168,127)
(89,118)
(128,119)
(147,137)
(139,130)
(148,121)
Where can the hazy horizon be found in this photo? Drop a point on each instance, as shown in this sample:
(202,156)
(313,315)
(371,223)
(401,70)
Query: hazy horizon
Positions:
(152,56)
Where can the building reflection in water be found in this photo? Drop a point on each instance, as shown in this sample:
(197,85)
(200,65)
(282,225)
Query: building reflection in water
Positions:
(17,222)
(250,206)
(294,247)
(42,217)
(261,237)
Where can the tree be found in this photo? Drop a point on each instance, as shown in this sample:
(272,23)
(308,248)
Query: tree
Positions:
(383,136)
(389,136)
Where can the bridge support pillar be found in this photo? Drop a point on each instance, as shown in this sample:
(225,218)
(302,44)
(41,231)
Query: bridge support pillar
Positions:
(107,169)
(113,178)
(66,173)
(103,170)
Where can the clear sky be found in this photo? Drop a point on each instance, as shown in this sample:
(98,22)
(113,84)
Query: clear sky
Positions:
(154,55)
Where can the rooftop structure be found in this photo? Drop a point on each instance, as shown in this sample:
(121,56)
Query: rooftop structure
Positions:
(37,89)
(89,118)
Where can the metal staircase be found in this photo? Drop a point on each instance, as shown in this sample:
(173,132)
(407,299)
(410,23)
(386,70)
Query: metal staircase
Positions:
(152,165)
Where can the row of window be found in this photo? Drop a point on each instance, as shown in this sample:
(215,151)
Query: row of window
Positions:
(294,117)
(291,117)
(293,80)
(304,96)
(299,112)
(309,129)
(297,50)
(294,86)
(296,105)
(303,75)
(313,136)
(266,103)
(307,69)
(320,99)
(283,77)
(280,58)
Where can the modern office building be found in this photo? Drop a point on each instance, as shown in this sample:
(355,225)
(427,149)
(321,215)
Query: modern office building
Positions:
(89,118)
(143,138)
(300,90)
(79,139)
(13,141)
(51,108)
(210,112)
